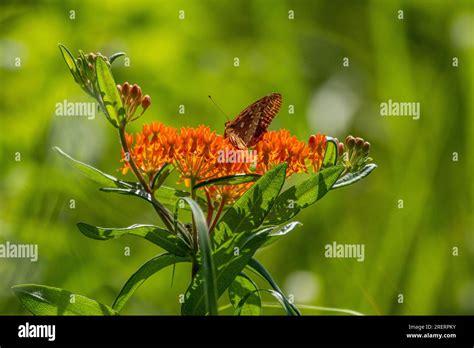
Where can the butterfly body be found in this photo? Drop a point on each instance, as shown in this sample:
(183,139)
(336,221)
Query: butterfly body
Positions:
(252,123)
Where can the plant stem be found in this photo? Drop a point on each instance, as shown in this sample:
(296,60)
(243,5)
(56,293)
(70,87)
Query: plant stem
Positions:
(218,215)
(159,208)
(210,209)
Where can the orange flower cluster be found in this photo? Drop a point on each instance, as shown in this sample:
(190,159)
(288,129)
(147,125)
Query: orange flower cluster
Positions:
(196,153)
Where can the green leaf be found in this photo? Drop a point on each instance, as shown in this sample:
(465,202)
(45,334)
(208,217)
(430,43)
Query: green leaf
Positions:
(169,196)
(46,300)
(109,92)
(161,176)
(151,267)
(91,172)
(248,213)
(114,56)
(279,297)
(351,178)
(290,202)
(230,259)
(330,155)
(257,267)
(70,62)
(163,238)
(281,231)
(229,180)
(207,270)
(244,287)
(129,191)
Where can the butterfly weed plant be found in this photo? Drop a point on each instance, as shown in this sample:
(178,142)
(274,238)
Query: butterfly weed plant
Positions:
(233,185)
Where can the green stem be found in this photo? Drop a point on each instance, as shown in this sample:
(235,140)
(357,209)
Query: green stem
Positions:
(159,208)
(218,215)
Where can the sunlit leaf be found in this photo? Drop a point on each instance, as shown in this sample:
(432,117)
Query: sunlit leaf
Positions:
(91,172)
(248,213)
(109,92)
(330,155)
(114,56)
(207,271)
(351,178)
(163,238)
(243,287)
(230,259)
(229,180)
(281,231)
(290,202)
(46,300)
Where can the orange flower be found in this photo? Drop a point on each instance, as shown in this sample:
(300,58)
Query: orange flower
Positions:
(317,149)
(153,148)
(196,154)
(279,146)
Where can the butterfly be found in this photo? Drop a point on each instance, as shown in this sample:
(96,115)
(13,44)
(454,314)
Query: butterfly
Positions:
(252,123)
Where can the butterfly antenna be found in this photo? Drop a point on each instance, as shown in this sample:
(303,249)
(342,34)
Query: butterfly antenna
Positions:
(218,107)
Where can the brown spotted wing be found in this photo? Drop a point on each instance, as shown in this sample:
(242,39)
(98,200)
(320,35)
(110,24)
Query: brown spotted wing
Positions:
(252,123)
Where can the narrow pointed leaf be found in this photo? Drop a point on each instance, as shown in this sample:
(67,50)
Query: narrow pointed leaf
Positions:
(161,237)
(257,267)
(351,178)
(207,270)
(91,172)
(46,300)
(109,93)
(229,180)
(114,56)
(151,267)
(70,62)
(281,231)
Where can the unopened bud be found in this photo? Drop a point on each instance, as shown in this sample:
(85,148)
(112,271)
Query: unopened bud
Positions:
(125,89)
(340,149)
(134,91)
(146,101)
(350,142)
(366,147)
(359,142)
(312,141)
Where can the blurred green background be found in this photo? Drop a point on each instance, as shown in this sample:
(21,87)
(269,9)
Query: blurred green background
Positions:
(408,251)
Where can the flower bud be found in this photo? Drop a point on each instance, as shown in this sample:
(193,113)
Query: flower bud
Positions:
(350,142)
(359,142)
(134,91)
(146,101)
(340,149)
(366,147)
(119,88)
(125,89)
(312,141)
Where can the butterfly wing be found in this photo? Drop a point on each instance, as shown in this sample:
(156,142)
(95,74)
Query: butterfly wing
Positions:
(250,125)
(270,106)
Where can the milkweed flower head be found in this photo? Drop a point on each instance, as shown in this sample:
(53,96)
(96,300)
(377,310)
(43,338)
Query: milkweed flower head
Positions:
(194,153)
